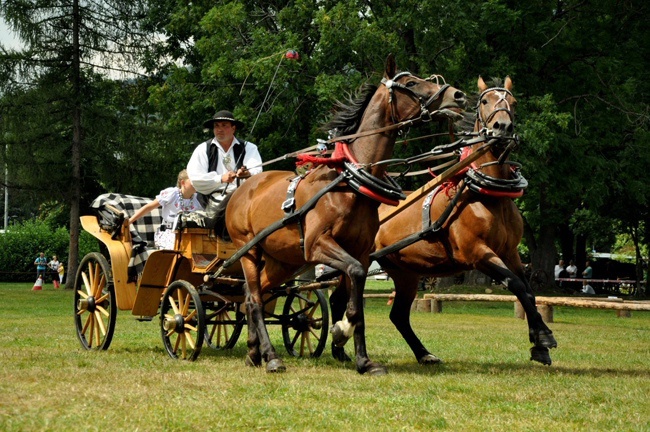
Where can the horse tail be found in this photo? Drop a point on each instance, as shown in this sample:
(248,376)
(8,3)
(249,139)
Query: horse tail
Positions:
(217,223)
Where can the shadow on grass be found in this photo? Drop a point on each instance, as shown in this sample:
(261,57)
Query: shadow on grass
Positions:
(510,368)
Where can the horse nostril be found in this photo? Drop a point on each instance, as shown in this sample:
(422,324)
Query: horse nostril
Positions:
(459,97)
(510,128)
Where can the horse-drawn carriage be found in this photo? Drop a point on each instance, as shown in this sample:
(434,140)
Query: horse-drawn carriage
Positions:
(194,307)
(332,218)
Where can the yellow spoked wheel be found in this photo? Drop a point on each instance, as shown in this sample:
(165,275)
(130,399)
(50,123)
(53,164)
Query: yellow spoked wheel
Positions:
(182,322)
(95,308)
(305,323)
(224,323)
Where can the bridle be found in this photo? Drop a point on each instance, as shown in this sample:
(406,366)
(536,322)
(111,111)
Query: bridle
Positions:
(424,115)
(502,98)
(503,94)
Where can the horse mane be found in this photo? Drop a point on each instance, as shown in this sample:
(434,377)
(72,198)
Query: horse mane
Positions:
(466,124)
(347,116)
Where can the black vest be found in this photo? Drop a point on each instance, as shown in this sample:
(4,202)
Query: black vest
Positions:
(239,151)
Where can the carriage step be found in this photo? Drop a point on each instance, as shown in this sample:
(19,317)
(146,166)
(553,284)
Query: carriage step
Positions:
(144,318)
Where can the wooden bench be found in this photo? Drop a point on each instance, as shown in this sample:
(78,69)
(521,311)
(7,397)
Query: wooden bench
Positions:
(624,308)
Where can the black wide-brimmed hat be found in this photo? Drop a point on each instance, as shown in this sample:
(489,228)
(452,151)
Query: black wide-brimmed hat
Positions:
(223,115)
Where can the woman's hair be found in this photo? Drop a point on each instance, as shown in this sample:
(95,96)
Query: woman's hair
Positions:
(181,176)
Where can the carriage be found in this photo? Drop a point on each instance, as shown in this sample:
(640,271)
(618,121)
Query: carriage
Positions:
(194,307)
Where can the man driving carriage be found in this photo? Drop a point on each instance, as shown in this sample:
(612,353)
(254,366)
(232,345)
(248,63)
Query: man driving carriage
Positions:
(219,164)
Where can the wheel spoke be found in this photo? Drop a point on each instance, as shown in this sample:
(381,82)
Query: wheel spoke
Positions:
(86,284)
(100,322)
(177,343)
(183,345)
(91,277)
(186,304)
(91,320)
(190,316)
(191,327)
(172,302)
(188,336)
(85,328)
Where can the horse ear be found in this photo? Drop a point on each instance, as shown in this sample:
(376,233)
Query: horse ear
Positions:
(391,67)
(508,83)
(481,84)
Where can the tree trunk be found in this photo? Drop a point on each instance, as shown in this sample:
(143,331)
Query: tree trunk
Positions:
(75,153)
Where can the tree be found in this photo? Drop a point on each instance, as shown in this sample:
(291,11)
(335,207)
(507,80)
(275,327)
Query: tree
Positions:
(65,42)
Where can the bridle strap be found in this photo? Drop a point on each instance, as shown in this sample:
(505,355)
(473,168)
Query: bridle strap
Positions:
(502,98)
(425,114)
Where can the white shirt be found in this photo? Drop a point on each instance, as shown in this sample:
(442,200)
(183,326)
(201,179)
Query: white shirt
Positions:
(207,182)
(173,204)
(558,270)
(572,270)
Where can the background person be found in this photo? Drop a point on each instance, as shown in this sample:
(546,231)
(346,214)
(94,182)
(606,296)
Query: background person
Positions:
(559,268)
(219,163)
(53,270)
(587,273)
(41,266)
(174,200)
(572,270)
(61,272)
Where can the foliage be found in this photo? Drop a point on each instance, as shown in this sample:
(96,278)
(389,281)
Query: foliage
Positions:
(22,242)
(579,70)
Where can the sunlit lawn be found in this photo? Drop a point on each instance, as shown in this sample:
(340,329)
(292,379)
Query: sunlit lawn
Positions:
(599,380)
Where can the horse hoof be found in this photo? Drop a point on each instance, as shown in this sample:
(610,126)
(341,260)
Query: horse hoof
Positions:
(377,370)
(374,369)
(339,354)
(250,362)
(275,366)
(339,339)
(546,340)
(541,355)
(429,359)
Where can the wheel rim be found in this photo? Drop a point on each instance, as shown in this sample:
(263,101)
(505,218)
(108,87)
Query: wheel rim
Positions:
(95,308)
(182,321)
(224,324)
(305,323)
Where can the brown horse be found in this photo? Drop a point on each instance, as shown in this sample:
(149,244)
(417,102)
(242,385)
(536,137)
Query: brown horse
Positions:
(482,231)
(340,227)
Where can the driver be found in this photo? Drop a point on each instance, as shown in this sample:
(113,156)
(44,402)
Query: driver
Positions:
(219,164)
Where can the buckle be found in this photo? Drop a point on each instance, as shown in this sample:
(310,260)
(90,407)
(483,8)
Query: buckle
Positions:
(288,204)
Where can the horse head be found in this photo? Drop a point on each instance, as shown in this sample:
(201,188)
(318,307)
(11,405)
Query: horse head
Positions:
(495,115)
(401,101)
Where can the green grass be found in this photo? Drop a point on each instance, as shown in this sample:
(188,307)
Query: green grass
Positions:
(600,378)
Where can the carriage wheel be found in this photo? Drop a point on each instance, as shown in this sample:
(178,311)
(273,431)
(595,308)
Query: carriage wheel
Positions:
(95,307)
(539,280)
(224,325)
(305,323)
(182,322)
(428,283)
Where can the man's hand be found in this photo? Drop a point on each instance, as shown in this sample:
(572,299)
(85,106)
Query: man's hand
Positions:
(228,177)
(243,172)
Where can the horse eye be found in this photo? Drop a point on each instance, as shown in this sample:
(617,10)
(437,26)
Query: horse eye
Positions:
(484,102)
(411,84)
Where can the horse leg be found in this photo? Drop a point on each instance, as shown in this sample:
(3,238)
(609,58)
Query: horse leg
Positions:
(406,286)
(338,301)
(538,332)
(259,342)
(253,358)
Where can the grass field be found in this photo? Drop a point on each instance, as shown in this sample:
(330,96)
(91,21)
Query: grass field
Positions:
(599,380)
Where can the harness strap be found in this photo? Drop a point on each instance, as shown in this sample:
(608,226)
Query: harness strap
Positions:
(426,208)
(296,215)
(415,237)
(290,203)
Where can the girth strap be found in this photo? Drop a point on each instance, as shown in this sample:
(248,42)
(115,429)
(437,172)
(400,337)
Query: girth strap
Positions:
(290,203)
(413,238)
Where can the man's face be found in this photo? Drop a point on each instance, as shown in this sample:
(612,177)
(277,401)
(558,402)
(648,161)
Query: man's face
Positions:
(224,131)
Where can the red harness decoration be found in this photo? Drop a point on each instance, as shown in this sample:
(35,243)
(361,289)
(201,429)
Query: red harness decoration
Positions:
(335,160)
(340,155)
